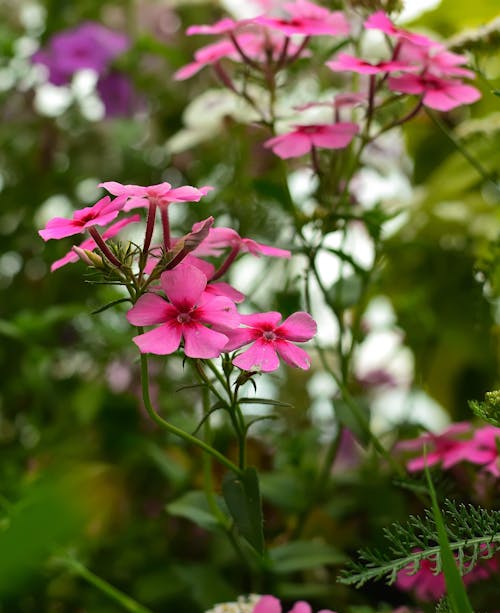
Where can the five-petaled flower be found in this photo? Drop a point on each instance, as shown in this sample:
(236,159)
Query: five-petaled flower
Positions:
(304,137)
(161,194)
(186,316)
(100,214)
(271,339)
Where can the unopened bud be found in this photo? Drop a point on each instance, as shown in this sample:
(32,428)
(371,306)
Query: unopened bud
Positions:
(89,257)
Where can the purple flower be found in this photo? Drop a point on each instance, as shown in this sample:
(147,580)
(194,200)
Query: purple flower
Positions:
(89,45)
(118,95)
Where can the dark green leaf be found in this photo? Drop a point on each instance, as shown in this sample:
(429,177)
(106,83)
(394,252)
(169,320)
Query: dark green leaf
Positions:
(194,506)
(301,555)
(242,496)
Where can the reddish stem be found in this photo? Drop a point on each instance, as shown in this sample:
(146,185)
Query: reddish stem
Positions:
(226,264)
(165,223)
(101,243)
(150,224)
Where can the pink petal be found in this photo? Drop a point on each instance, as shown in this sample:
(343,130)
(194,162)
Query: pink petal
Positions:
(58,227)
(301,607)
(220,27)
(117,189)
(259,249)
(134,202)
(71,256)
(183,285)
(262,321)
(268,604)
(451,97)
(293,355)
(218,311)
(186,193)
(220,288)
(336,136)
(408,84)
(240,337)
(187,71)
(299,327)
(261,356)
(151,309)
(162,340)
(119,225)
(293,144)
(202,342)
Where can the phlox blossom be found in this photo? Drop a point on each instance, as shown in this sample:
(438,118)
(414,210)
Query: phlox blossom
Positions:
(458,443)
(437,93)
(161,194)
(380,21)
(186,316)
(304,137)
(100,214)
(308,19)
(270,604)
(89,244)
(345,62)
(271,339)
(430,586)
(219,239)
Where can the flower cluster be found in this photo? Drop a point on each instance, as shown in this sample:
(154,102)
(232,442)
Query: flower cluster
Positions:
(270,604)
(92,46)
(175,289)
(460,442)
(416,66)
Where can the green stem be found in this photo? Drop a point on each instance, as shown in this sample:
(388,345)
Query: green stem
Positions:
(189,438)
(128,603)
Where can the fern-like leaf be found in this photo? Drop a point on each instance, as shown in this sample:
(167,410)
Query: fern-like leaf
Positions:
(473,532)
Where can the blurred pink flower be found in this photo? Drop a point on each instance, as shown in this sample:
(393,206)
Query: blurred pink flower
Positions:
(345,62)
(186,316)
(270,604)
(221,238)
(437,93)
(271,339)
(89,244)
(429,586)
(308,19)
(100,214)
(380,21)
(304,137)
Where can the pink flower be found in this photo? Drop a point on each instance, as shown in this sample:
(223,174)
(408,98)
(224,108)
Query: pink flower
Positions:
(439,447)
(223,26)
(89,244)
(345,62)
(429,586)
(308,19)
(185,317)
(301,140)
(271,339)
(270,604)
(206,56)
(380,21)
(220,238)
(100,214)
(161,194)
(437,93)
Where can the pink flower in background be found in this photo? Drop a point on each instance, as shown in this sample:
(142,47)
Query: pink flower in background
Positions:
(437,93)
(270,604)
(380,21)
(100,214)
(437,446)
(221,238)
(185,316)
(301,140)
(206,56)
(428,586)
(89,244)
(161,194)
(223,26)
(344,62)
(308,19)
(271,339)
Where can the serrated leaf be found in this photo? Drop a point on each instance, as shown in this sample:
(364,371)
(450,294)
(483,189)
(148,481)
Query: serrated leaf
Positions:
(302,555)
(242,496)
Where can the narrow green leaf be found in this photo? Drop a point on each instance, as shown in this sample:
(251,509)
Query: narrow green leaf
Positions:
(242,496)
(302,555)
(194,506)
(457,596)
(105,307)
(274,403)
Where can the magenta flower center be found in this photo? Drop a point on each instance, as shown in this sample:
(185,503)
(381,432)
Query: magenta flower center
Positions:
(184,318)
(269,335)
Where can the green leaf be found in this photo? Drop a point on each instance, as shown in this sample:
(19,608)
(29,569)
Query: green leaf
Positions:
(242,496)
(302,555)
(285,490)
(194,506)
(457,596)
(274,403)
(347,417)
(346,292)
